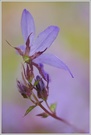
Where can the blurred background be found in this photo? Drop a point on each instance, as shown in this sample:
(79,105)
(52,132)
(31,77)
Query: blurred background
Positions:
(71,46)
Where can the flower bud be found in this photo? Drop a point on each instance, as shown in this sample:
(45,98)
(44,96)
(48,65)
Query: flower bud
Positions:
(41,89)
(44,74)
(28,73)
(25,91)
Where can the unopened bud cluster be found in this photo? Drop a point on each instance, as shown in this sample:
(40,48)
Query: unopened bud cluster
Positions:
(33,83)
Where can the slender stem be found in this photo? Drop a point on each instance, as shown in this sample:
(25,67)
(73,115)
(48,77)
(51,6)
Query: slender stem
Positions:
(54,115)
(32,100)
(41,104)
(50,113)
(60,119)
(48,106)
(35,97)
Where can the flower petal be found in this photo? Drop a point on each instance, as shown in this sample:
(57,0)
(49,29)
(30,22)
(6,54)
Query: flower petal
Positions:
(27,26)
(52,60)
(44,74)
(45,39)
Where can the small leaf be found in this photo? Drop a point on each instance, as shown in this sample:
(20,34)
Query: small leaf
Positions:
(43,115)
(53,107)
(29,109)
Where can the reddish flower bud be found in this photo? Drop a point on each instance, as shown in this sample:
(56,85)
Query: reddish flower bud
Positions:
(25,91)
(28,73)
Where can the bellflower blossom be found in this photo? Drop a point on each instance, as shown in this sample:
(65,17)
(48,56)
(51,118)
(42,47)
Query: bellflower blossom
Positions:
(33,49)
(36,88)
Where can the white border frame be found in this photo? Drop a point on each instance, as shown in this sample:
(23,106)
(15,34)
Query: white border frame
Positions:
(1,65)
(1,1)
(45,1)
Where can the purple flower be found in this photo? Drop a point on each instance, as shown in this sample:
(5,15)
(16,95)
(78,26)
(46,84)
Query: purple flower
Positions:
(33,49)
(42,91)
(44,73)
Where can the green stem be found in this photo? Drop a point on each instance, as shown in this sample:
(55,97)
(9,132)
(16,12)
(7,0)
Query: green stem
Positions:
(60,119)
(54,115)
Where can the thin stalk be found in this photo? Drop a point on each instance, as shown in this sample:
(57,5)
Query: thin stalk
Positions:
(60,119)
(48,106)
(32,100)
(35,97)
(54,115)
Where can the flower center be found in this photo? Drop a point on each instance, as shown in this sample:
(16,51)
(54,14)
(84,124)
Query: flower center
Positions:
(26,58)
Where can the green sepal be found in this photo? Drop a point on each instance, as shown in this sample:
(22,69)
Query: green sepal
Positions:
(53,107)
(29,109)
(43,115)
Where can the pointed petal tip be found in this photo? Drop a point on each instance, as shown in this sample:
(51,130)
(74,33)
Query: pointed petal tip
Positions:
(67,69)
(71,74)
(25,11)
(55,27)
(27,25)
